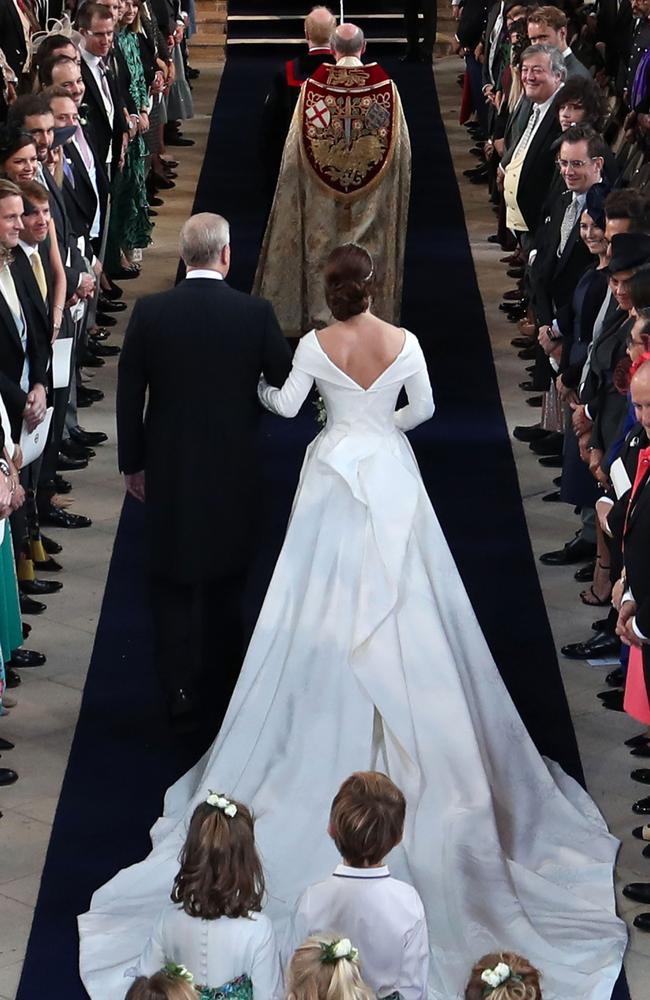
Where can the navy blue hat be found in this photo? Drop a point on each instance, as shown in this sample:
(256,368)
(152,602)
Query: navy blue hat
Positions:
(629,250)
(595,203)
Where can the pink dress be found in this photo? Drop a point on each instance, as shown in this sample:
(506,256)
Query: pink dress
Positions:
(636,701)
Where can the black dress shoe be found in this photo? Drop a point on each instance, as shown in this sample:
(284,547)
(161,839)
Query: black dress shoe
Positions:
(637,741)
(105,305)
(155,202)
(528,385)
(535,401)
(551,462)
(585,575)
(160,183)
(75,450)
(113,292)
(553,497)
(479,177)
(551,445)
(7,776)
(642,775)
(642,808)
(643,751)
(601,645)
(104,350)
(90,360)
(521,342)
(642,921)
(65,464)
(87,438)
(642,832)
(125,273)
(615,678)
(39,588)
(528,354)
(613,701)
(60,518)
(178,140)
(53,549)
(48,565)
(22,658)
(534,433)
(6,744)
(575,551)
(105,320)
(87,392)
(12,677)
(98,334)
(638,891)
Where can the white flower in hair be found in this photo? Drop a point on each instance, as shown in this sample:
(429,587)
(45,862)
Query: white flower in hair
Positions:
(231,809)
(221,802)
(496,976)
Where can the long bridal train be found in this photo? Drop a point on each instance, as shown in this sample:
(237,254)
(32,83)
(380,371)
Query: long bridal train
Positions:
(367,654)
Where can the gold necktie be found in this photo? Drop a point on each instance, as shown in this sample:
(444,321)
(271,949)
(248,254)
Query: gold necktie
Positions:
(39,273)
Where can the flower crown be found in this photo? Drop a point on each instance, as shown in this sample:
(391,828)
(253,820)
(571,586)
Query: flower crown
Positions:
(333,952)
(497,977)
(174,971)
(221,802)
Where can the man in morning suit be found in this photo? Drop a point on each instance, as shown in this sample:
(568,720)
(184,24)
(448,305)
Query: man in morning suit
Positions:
(107,116)
(320,24)
(416,52)
(529,166)
(198,351)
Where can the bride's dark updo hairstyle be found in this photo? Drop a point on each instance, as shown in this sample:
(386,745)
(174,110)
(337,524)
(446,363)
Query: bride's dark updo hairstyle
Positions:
(349,281)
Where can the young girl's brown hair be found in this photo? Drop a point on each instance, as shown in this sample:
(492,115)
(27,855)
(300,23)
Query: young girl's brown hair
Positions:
(220,874)
(161,987)
(521,984)
(367,818)
(311,978)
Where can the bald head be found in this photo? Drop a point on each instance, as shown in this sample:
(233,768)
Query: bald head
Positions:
(640,390)
(319,25)
(205,242)
(347,40)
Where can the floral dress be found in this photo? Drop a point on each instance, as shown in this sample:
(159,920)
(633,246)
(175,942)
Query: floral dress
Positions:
(132,208)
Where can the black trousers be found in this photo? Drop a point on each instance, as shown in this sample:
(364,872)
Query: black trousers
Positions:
(198,638)
(426,30)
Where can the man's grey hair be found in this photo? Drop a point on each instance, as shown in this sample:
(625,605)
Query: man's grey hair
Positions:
(558,65)
(347,46)
(203,238)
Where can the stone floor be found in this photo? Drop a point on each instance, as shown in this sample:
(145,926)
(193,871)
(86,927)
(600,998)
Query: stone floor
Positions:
(43,723)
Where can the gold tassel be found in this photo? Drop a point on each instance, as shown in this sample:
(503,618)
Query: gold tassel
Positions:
(25,568)
(38,552)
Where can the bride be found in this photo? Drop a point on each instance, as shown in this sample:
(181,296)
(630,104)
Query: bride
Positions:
(367,655)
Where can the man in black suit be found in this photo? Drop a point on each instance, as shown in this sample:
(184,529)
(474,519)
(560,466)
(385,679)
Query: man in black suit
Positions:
(633,624)
(107,115)
(283,96)
(529,166)
(416,52)
(548,26)
(12,33)
(198,351)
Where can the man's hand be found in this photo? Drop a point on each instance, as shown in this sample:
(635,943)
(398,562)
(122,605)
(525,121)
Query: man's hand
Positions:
(596,466)
(581,422)
(6,495)
(18,499)
(603,508)
(86,286)
(144,122)
(35,407)
(135,485)
(545,339)
(624,629)
(617,593)
(97,266)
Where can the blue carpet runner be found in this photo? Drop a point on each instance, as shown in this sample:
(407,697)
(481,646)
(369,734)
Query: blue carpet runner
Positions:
(122,757)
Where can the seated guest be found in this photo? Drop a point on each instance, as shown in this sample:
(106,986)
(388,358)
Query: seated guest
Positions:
(503,976)
(215,926)
(326,968)
(383,916)
(162,986)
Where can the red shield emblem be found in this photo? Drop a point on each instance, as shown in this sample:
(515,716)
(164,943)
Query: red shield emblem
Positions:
(348,127)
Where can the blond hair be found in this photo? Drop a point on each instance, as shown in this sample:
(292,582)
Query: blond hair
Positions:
(309,978)
(522,985)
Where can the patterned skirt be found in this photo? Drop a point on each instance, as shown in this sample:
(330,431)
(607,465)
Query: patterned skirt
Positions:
(238,989)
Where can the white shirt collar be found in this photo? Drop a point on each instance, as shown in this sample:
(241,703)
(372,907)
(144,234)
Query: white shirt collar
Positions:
(28,249)
(567,52)
(89,57)
(200,272)
(349,61)
(343,871)
(546,105)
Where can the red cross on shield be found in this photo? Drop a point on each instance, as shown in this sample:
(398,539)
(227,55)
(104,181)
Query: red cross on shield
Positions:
(318,114)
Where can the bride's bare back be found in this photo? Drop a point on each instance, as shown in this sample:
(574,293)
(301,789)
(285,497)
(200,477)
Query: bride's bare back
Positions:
(363,347)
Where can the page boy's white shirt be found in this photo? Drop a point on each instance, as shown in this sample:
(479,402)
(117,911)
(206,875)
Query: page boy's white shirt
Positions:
(382,917)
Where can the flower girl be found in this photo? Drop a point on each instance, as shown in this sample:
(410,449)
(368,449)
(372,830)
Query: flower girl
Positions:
(504,976)
(163,986)
(214,928)
(325,968)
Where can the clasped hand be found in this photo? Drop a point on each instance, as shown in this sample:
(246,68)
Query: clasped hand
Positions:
(35,407)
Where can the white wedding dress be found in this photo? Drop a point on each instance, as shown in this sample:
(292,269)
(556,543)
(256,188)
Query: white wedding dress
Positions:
(367,654)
